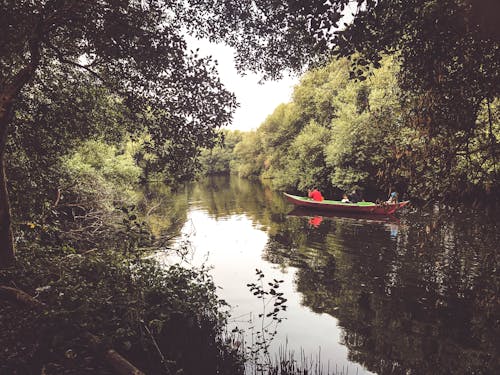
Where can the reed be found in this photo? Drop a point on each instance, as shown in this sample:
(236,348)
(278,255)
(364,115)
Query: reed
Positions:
(287,362)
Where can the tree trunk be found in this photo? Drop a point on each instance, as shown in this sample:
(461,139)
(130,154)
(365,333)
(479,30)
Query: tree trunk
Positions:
(9,92)
(6,239)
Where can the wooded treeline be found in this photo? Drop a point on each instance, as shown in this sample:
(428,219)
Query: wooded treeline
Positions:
(339,134)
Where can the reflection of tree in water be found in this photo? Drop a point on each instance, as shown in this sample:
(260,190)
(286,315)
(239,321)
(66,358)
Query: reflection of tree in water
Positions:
(223,196)
(425,303)
(164,212)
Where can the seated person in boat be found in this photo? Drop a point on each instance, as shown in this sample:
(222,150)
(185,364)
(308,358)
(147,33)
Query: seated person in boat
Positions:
(315,195)
(393,197)
(355,197)
(345,198)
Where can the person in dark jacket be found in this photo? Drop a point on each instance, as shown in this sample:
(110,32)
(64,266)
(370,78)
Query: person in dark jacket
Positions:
(355,197)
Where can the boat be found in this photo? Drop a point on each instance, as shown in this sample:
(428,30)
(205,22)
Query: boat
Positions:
(383,208)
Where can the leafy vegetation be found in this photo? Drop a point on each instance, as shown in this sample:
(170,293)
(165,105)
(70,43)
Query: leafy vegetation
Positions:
(341,134)
(448,52)
(217,160)
(127,59)
(162,319)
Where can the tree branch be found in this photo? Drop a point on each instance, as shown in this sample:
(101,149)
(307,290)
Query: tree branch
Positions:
(14,85)
(64,60)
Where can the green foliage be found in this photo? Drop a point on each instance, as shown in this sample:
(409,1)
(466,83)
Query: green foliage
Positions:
(64,115)
(281,125)
(249,160)
(305,166)
(217,160)
(277,133)
(104,174)
(318,88)
(132,306)
(335,132)
(136,49)
(365,134)
(481,154)
(340,133)
(446,54)
(93,182)
(268,36)
(73,72)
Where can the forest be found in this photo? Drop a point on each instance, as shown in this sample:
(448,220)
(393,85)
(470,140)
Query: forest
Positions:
(98,99)
(340,134)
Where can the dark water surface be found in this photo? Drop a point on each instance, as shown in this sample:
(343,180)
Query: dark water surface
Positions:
(416,294)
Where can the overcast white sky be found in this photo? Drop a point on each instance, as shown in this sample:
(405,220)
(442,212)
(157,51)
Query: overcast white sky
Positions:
(257,101)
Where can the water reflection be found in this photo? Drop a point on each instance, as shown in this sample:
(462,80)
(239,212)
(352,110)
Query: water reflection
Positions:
(414,295)
(315,221)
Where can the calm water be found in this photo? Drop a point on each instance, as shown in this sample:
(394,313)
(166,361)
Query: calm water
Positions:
(418,294)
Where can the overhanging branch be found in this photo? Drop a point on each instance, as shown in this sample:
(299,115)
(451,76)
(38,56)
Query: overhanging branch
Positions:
(64,60)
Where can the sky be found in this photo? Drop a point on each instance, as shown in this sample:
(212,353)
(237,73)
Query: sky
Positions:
(257,101)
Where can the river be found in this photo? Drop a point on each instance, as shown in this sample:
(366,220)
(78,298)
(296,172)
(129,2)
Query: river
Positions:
(415,294)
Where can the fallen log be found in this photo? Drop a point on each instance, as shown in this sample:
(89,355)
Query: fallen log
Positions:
(115,360)
(21,297)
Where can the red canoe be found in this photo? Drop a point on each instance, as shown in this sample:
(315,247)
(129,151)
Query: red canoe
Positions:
(361,207)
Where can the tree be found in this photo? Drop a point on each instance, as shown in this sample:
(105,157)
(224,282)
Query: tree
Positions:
(449,53)
(134,49)
(64,114)
(306,159)
(249,156)
(217,160)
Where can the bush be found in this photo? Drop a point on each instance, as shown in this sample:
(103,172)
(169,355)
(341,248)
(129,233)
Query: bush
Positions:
(146,312)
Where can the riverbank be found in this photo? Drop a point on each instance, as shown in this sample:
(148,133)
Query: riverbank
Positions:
(161,320)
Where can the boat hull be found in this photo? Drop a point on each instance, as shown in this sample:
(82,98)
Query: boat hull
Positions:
(337,206)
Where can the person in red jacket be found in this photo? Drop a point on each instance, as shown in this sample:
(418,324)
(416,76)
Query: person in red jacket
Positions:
(315,194)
